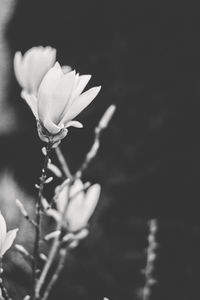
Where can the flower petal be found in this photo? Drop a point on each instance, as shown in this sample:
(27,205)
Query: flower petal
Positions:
(92,198)
(10,237)
(54,92)
(3,230)
(74,123)
(66,69)
(80,103)
(31,101)
(81,211)
(18,68)
(82,82)
(46,103)
(62,200)
(42,60)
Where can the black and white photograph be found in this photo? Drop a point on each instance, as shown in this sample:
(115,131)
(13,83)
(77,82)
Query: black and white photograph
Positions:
(99,150)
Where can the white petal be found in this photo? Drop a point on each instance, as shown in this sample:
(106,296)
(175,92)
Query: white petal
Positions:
(3,230)
(61,95)
(81,84)
(31,101)
(41,63)
(80,103)
(10,237)
(92,198)
(66,69)
(74,123)
(51,127)
(28,65)
(62,199)
(18,68)
(81,211)
(54,92)
(45,92)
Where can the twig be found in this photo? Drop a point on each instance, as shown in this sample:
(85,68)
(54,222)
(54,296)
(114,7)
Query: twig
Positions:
(103,123)
(25,213)
(61,263)
(151,256)
(3,289)
(58,240)
(63,163)
(38,216)
(54,249)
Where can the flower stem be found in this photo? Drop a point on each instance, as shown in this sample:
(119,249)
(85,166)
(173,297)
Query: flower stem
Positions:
(54,249)
(151,256)
(60,266)
(47,267)
(3,289)
(38,216)
(63,163)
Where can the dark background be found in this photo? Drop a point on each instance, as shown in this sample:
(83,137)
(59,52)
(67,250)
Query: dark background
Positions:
(146,56)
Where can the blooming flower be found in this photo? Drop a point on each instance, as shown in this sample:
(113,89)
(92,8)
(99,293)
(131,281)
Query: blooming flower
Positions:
(58,101)
(81,205)
(6,238)
(31,68)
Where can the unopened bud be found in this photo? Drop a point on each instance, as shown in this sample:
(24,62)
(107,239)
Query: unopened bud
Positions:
(107,116)
(52,235)
(21,249)
(93,150)
(21,208)
(44,151)
(43,256)
(45,204)
(48,180)
(55,170)
(27,297)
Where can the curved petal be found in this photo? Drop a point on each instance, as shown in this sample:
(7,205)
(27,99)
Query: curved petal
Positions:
(51,127)
(91,200)
(31,101)
(53,92)
(81,84)
(80,103)
(75,124)
(3,230)
(82,211)
(62,94)
(10,237)
(42,61)
(28,65)
(62,199)
(66,69)
(18,68)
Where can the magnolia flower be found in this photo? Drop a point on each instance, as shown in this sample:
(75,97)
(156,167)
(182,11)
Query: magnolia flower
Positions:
(32,67)
(81,205)
(59,101)
(6,238)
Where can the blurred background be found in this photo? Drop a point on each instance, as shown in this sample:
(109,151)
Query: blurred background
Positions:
(146,56)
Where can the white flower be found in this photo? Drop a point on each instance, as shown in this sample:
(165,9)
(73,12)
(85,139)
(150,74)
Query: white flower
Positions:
(80,207)
(59,101)
(32,67)
(6,238)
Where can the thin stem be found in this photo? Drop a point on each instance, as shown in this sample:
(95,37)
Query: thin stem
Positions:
(38,216)
(47,266)
(54,249)
(2,287)
(60,266)
(63,163)
(151,256)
